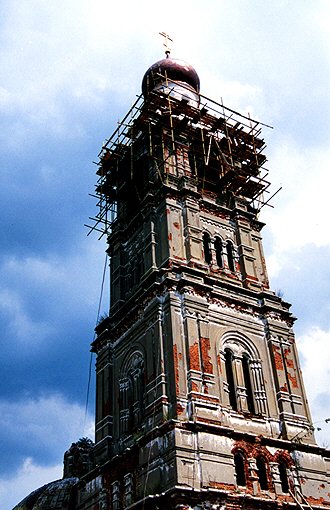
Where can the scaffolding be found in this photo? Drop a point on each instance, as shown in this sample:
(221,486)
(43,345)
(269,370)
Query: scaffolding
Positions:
(217,148)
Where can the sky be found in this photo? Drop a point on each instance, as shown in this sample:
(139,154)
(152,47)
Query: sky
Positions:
(69,71)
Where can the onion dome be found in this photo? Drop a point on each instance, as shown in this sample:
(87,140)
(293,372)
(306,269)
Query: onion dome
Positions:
(171,70)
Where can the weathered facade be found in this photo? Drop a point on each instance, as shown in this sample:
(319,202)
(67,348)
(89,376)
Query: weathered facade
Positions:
(200,401)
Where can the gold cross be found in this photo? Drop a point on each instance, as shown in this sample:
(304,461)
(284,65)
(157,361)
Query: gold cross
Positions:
(165,44)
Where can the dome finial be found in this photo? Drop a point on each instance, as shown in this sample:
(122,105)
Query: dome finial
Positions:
(167,38)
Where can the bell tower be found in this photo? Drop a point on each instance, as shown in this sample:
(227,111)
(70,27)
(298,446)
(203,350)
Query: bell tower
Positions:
(200,400)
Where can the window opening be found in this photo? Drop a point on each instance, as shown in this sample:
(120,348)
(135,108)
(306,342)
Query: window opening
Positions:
(230,255)
(139,397)
(283,477)
(247,383)
(218,251)
(207,248)
(115,495)
(262,473)
(230,378)
(130,401)
(132,395)
(239,461)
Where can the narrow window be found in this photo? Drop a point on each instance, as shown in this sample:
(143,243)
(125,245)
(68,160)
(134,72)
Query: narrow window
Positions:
(239,461)
(283,476)
(139,388)
(115,495)
(124,405)
(132,394)
(207,248)
(218,251)
(230,255)
(130,401)
(262,473)
(247,383)
(230,378)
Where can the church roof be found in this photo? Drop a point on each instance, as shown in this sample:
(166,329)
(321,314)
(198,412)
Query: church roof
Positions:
(57,495)
(60,494)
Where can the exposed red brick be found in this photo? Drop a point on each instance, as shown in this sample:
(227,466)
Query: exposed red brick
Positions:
(250,277)
(289,362)
(176,367)
(194,357)
(284,456)
(205,347)
(203,396)
(288,359)
(194,386)
(169,237)
(253,450)
(284,498)
(233,276)
(179,408)
(207,420)
(278,358)
(293,380)
(317,501)
(284,388)
(223,486)
(176,225)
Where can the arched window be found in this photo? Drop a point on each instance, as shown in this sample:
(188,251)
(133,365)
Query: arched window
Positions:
(239,461)
(243,381)
(218,251)
(262,473)
(247,383)
(230,255)
(283,476)
(230,378)
(132,393)
(207,248)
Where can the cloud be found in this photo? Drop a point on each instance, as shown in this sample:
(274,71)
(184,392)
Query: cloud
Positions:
(234,94)
(301,210)
(71,69)
(35,434)
(314,348)
(40,429)
(302,276)
(20,325)
(48,314)
(28,477)
(53,288)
